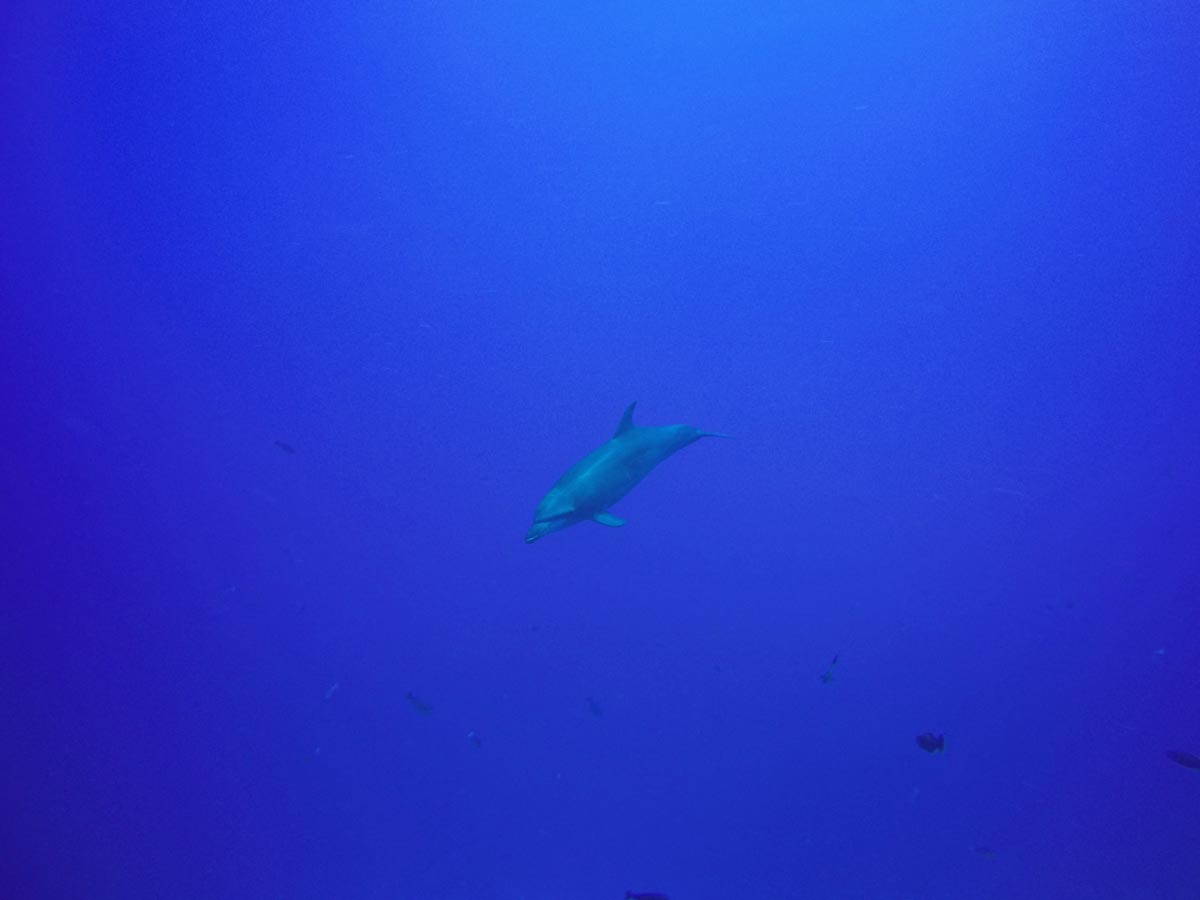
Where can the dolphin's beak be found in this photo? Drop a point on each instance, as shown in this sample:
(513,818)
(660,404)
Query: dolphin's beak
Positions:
(543,527)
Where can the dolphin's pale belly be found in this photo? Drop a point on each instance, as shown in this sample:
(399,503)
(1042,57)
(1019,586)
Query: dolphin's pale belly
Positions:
(604,476)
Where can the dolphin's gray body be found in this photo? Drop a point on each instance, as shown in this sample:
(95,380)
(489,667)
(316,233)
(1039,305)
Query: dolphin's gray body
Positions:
(607,474)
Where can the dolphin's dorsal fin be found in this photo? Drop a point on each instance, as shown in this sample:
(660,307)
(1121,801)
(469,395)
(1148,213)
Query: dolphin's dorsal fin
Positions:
(626,422)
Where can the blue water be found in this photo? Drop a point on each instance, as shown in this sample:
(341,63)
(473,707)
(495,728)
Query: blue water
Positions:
(933,265)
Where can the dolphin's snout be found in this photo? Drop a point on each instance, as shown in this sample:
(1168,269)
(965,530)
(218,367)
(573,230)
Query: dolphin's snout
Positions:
(543,527)
(536,530)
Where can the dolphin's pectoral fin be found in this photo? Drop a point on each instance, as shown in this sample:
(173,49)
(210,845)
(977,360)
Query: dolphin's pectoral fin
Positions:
(626,422)
(608,519)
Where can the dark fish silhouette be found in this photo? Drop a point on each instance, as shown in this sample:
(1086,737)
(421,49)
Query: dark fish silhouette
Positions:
(286,448)
(594,707)
(1185,759)
(630,895)
(827,675)
(931,743)
(418,704)
(983,851)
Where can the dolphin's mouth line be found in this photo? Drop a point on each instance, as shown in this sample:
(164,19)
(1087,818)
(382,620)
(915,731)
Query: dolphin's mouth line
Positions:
(536,530)
(543,527)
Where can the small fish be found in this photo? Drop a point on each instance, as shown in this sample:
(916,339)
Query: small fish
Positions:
(332,690)
(474,739)
(594,707)
(1185,759)
(285,447)
(418,704)
(983,851)
(931,743)
(827,675)
(630,895)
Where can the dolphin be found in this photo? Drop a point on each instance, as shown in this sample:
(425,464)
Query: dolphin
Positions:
(608,473)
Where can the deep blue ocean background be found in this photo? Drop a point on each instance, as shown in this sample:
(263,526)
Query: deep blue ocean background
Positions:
(304,306)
